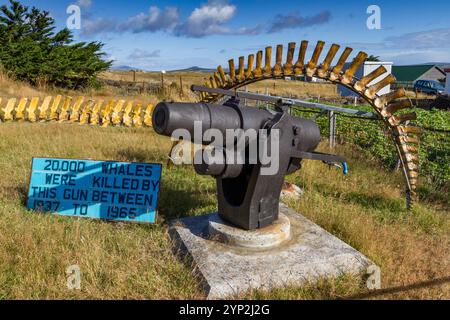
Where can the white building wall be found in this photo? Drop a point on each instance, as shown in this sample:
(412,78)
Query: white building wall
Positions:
(364,70)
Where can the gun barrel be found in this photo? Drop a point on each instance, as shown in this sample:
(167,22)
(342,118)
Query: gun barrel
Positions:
(168,117)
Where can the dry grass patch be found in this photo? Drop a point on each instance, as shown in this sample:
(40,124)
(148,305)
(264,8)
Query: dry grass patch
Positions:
(126,261)
(118,261)
(273,87)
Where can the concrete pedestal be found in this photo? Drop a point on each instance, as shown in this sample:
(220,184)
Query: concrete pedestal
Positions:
(233,267)
(269,237)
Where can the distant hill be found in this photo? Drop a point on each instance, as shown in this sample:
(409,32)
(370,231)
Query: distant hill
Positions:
(194,69)
(439,64)
(191,69)
(122,68)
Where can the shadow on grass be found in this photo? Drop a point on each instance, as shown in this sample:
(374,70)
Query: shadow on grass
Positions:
(367,201)
(433,195)
(401,289)
(374,201)
(132,155)
(177,203)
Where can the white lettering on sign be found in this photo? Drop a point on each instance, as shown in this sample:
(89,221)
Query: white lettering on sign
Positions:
(95,189)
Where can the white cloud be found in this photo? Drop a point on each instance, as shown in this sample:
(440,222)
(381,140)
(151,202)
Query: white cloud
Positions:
(84,3)
(405,57)
(411,48)
(437,38)
(295,20)
(100,25)
(421,40)
(155,20)
(140,54)
(209,19)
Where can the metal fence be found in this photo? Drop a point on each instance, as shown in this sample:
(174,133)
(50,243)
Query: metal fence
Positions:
(407,85)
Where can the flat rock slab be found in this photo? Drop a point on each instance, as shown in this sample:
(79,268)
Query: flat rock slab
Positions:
(310,254)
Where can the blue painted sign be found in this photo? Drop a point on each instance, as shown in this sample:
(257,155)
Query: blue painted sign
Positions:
(120,191)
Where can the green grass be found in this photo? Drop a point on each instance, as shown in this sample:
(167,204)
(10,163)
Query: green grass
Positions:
(129,261)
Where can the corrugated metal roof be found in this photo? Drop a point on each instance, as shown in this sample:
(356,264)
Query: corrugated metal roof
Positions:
(410,73)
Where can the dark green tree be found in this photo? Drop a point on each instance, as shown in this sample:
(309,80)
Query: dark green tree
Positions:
(31,50)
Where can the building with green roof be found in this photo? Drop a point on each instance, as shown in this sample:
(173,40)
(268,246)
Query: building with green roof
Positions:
(407,75)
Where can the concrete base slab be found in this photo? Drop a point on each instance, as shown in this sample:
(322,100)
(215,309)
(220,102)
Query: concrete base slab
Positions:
(311,253)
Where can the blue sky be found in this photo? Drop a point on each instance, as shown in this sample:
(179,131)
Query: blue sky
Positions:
(165,35)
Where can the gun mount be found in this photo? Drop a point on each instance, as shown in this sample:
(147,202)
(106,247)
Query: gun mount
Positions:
(248,196)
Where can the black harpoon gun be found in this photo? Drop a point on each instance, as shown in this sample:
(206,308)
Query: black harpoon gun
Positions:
(248,191)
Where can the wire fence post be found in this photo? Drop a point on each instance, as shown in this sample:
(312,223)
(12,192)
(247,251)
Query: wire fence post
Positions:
(162,84)
(181,87)
(332,129)
(246,90)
